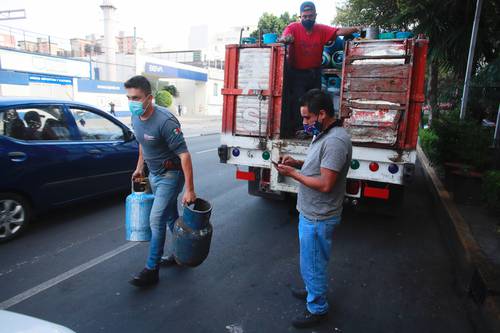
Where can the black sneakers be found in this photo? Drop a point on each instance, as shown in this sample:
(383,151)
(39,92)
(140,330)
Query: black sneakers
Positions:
(147,277)
(309,319)
(299,293)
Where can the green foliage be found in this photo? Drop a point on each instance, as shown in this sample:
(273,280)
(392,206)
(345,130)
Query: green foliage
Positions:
(447,24)
(270,23)
(429,143)
(491,188)
(163,98)
(172,90)
(463,141)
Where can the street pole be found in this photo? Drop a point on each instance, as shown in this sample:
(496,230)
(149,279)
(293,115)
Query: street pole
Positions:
(470,59)
(497,129)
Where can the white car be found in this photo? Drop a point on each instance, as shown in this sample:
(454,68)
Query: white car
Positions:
(19,323)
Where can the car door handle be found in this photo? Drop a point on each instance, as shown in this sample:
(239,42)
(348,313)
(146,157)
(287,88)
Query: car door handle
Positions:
(17,156)
(94,151)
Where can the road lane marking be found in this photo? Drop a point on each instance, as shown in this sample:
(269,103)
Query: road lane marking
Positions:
(64,276)
(206,151)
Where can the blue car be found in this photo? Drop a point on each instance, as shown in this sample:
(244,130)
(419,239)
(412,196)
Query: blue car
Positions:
(54,153)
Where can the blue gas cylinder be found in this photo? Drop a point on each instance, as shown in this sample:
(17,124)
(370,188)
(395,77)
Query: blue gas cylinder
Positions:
(137,209)
(338,59)
(325,59)
(192,234)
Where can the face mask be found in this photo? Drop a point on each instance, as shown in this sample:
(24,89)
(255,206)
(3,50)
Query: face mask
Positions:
(308,24)
(313,129)
(136,108)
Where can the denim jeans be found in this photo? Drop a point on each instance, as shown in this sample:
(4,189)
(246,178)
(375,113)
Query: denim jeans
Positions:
(166,188)
(315,239)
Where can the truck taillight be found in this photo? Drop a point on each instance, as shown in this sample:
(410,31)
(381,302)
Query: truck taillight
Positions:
(354,164)
(373,166)
(236,152)
(352,187)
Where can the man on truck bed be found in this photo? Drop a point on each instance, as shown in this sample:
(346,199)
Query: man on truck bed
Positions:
(322,182)
(307,40)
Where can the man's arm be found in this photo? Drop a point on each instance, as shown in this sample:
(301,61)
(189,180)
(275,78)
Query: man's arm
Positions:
(139,170)
(322,183)
(347,31)
(187,167)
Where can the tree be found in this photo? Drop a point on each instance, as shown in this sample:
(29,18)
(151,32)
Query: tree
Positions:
(270,23)
(447,24)
(163,98)
(172,90)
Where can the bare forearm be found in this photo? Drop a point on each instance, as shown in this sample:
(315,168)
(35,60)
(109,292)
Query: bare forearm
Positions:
(187,168)
(347,31)
(140,160)
(316,183)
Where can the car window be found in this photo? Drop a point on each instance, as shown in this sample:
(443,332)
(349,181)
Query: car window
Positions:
(34,123)
(94,127)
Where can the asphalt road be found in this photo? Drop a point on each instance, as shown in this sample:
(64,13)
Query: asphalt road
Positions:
(387,274)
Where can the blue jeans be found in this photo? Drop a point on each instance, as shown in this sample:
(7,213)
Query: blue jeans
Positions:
(166,188)
(315,239)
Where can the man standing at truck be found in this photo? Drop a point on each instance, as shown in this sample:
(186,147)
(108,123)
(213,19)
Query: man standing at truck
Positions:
(162,147)
(307,39)
(322,182)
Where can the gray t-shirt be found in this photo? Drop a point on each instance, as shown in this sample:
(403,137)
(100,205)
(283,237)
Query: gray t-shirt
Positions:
(160,137)
(331,150)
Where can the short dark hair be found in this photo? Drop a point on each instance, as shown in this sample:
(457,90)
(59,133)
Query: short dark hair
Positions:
(316,100)
(139,82)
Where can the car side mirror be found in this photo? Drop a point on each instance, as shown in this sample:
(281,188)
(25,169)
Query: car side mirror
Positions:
(129,135)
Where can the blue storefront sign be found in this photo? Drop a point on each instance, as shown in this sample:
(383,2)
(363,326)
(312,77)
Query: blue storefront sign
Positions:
(8,77)
(105,87)
(61,80)
(172,72)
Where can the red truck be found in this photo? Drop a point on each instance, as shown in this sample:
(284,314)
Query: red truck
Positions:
(381,96)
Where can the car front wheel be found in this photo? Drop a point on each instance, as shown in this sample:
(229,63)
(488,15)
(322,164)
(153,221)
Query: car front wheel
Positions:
(15,213)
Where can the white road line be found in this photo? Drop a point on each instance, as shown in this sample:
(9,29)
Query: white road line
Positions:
(206,151)
(64,276)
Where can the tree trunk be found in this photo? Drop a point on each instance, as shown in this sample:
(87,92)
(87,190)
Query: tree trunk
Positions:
(432,91)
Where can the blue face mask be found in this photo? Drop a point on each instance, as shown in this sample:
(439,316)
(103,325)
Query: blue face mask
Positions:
(313,129)
(136,108)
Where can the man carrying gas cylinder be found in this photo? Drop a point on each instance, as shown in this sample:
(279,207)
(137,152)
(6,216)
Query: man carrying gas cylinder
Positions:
(162,147)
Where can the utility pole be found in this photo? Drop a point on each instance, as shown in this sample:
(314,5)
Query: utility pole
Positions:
(470,60)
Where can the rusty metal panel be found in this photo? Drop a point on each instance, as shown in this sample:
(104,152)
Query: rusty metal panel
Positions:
(377,126)
(378,70)
(377,85)
(254,68)
(251,115)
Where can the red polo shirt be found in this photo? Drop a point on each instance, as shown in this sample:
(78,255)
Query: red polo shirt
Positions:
(307,49)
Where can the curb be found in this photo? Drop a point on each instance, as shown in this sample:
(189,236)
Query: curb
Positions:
(476,279)
(201,134)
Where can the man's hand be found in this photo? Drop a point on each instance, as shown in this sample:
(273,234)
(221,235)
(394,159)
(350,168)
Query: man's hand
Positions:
(286,170)
(289,160)
(138,175)
(188,197)
(288,39)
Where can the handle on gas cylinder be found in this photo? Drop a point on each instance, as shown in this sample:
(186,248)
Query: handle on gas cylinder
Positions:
(143,180)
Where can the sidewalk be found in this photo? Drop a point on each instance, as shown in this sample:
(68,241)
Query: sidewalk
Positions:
(200,125)
(473,238)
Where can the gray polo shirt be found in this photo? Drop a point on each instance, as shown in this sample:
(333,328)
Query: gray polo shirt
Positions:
(160,137)
(331,150)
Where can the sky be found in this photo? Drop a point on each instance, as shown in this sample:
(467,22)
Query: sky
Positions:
(164,22)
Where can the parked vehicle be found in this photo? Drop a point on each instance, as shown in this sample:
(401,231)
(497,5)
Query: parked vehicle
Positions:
(378,93)
(53,153)
(19,323)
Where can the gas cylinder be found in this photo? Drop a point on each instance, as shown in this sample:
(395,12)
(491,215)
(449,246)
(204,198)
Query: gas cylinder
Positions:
(137,209)
(192,234)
